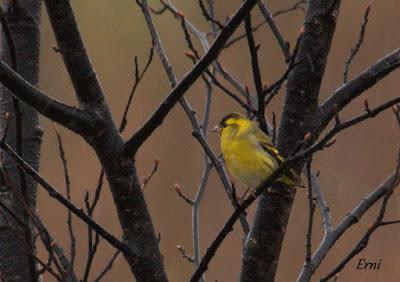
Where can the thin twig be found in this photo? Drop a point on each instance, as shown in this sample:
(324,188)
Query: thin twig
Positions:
(68,190)
(207,16)
(197,132)
(52,191)
(178,191)
(363,243)
(255,67)
(278,35)
(153,171)
(357,47)
(311,207)
(108,267)
(296,6)
(138,77)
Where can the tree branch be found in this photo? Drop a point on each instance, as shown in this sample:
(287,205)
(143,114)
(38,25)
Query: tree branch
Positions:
(278,35)
(70,117)
(351,219)
(173,97)
(74,54)
(355,87)
(65,202)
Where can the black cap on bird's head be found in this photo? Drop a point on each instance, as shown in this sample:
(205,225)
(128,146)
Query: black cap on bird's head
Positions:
(233,116)
(225,121)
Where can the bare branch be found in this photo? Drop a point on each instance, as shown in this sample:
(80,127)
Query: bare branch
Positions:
(138,77)
(178,191)
(255,67)
(182,251)
(207,16)
(350,219)
(65,202)
(74,54)
(357,47)
(278,35)
(296,6)
(153,171)
(70,117)
(162,111)
(355,87)
(322,205)
(108,267)
(68,190)
(311,210)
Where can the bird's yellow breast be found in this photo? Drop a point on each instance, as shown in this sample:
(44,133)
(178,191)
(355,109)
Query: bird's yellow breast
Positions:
(247,161)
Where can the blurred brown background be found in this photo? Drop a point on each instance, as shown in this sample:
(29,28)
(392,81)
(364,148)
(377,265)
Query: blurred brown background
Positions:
(114,32)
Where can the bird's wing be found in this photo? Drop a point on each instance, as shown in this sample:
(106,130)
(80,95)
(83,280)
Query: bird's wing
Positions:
(266,144)
(268,147)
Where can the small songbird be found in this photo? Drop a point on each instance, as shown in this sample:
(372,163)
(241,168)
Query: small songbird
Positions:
(249,153)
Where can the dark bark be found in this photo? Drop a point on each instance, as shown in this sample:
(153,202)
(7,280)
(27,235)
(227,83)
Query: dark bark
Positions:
(355,87)
(300,116)
(137,227)
(25,135)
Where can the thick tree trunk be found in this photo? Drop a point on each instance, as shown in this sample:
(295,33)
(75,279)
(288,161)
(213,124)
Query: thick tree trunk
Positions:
(138,231)
(300,116)
(25,135)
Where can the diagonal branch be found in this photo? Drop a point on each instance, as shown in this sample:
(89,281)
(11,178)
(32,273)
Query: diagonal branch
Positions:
(355,87)
(278,35)
(65,202)
(191,114)
(72,49)
(173,97)
(351,219)
(70,117)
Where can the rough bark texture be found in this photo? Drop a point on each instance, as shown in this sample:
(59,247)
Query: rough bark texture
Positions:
(23,19)
(105,139)
(300,116)
(136,223)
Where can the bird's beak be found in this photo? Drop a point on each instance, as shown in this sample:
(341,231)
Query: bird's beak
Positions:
(216,129)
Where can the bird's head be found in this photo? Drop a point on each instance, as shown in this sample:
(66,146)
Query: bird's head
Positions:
(233,124)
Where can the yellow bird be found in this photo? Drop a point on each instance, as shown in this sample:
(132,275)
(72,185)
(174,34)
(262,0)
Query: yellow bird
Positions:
(249,153)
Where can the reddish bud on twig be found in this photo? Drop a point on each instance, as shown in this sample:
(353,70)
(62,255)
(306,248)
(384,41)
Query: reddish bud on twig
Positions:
(180,14)
(307,137)
(246,88)
(156,162)
(395,109)
(177,188)
(302,29)
(190,55)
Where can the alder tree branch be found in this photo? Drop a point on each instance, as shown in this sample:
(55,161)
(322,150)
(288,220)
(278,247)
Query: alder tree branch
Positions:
(65,202)
(198,130)
(70,117)
(133,144)
(352,218)
(76,59)
(71,232)
(342,96)
(278,35)
(357,47)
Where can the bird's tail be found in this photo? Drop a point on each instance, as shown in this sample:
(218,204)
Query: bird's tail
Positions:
(292,179)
